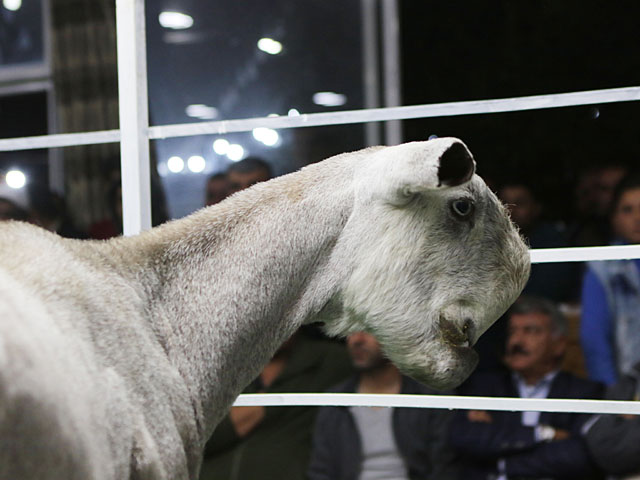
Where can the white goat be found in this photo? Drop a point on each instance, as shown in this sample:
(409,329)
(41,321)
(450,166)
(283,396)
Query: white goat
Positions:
(118,358)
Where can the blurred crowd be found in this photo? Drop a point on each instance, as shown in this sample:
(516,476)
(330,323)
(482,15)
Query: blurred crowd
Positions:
(574,333)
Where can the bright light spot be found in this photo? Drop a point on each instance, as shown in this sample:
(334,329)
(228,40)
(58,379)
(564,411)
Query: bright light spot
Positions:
(204,112)
(175,164)
(293,112)
(270,46)
(12,5)
(15,179)
(196,164)
(175,20)
(221,146)
(268,136)
(271,115)
(235,152)
(329,99)
(162,169)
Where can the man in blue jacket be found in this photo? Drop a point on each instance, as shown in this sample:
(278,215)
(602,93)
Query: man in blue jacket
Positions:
(352,443)
(532,445)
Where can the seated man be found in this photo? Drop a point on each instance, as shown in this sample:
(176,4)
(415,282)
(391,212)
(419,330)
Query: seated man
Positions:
(254,443)
(353,443)
(507,445)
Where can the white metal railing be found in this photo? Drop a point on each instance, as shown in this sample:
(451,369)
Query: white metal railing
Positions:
(219,127)
(438,401)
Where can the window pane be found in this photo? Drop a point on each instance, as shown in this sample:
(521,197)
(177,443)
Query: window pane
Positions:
(222,69)
(21,33)
(23,115)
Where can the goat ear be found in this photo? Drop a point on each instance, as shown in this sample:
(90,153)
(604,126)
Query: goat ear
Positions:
(456,166)
(402,171)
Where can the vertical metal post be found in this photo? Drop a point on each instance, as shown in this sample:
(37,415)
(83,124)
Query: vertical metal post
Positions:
(55,161)
(370,78)
(134,116)
(391,49)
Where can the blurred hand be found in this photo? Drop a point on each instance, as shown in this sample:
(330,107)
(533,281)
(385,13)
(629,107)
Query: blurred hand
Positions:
(480,416)
(245,419)
(561,434)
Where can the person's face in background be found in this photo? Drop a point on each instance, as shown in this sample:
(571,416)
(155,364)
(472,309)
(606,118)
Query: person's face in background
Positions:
(523,206)
(6,210)
(586,193)
(365,351)
(241,180)
(217,190)
(533,349)
(608,179)
(626,216)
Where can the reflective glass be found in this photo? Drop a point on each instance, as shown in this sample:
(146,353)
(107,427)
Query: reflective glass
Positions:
(21,33)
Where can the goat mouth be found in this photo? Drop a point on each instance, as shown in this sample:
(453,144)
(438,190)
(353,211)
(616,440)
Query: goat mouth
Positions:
(457,336)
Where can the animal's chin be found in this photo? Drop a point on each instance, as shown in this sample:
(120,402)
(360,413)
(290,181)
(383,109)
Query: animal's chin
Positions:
(452,366)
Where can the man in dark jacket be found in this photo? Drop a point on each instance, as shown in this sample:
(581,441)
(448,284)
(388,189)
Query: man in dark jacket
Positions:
(532,445)
(362,442)
(255,443)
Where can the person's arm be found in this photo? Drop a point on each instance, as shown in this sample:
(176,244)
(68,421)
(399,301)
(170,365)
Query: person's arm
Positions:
(556,459)
(442,458)
(224,437)
(323,459)
(245,419)
(488,435)
(614,441)
(596,331)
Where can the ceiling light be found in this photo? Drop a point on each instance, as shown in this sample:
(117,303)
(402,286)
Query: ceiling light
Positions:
(221,146)
(270,46)
(329,99)
(15,179)
(201,111)
(235,152)
(196,164)
(12,5)
(175,20)
(175,164)
(162,168)
(268,136)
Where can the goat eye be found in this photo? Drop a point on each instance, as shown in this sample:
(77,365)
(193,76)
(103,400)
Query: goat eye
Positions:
(462,207)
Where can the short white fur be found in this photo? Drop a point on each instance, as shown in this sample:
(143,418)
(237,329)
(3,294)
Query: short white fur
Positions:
(118,358)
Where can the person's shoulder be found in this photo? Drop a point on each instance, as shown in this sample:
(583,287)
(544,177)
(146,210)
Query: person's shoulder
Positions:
(579,386)
(485,382)
(413,387)
(345,386)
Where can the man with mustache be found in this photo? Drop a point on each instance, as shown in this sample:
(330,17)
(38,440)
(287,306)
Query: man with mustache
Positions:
(370,442)
(532,445)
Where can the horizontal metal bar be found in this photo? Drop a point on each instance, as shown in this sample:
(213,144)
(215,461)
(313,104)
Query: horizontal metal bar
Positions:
(59,140)
(476,107)
(584,254)
(438,401)
(402,113)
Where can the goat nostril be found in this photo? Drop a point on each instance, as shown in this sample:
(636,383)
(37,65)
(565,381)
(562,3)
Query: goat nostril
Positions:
(468,329)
